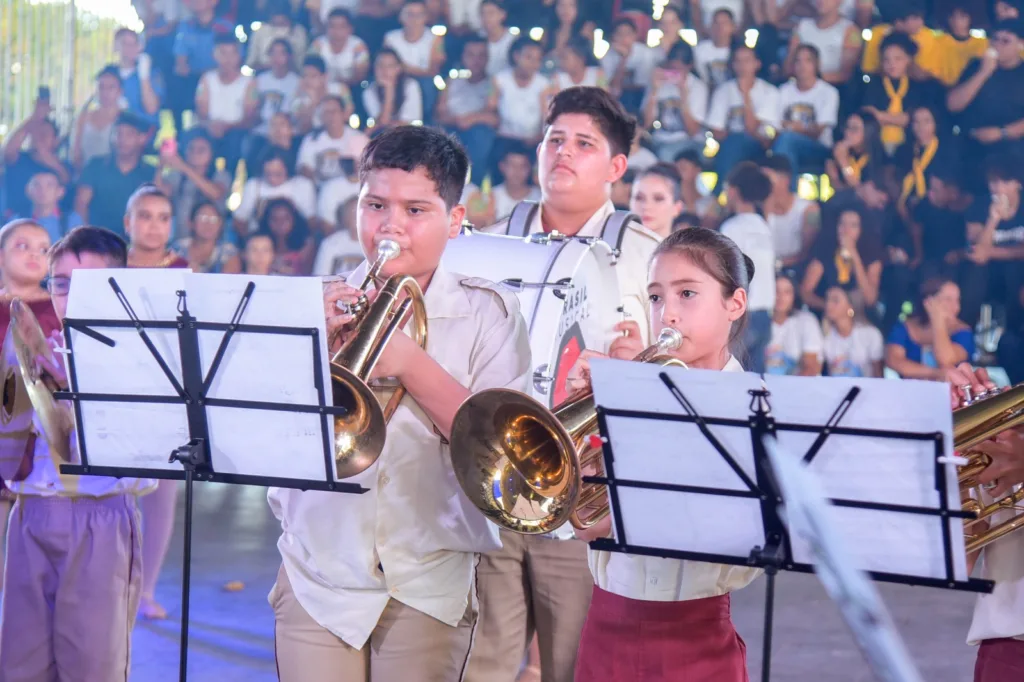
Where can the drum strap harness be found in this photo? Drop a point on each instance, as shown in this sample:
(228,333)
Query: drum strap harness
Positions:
(612,232)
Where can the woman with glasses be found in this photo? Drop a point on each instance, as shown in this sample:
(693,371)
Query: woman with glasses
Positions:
(204,249)
(23,247)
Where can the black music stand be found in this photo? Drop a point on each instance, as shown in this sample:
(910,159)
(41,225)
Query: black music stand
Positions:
(724,417)
(199,454)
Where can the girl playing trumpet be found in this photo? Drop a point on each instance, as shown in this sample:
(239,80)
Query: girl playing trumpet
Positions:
(678,610)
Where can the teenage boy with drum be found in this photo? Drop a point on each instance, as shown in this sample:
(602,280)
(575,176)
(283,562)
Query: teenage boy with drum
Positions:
(542,583)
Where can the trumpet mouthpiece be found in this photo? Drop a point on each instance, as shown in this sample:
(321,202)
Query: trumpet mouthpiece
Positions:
(669,339)
(387,250)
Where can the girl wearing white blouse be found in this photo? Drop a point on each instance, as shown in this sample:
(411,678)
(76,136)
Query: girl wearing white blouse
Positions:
(678,610)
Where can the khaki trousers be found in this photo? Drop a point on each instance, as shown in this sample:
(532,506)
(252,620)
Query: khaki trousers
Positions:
(73,580)
(406,646)
(532,584)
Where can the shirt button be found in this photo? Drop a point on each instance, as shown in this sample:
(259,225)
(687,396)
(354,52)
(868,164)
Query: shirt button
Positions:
(384,480)
(654,581)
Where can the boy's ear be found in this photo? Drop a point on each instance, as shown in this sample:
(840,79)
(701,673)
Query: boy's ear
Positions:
(618,167)
(456,217)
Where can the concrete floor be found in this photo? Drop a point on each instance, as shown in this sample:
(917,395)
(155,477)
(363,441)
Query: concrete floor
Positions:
(231,635)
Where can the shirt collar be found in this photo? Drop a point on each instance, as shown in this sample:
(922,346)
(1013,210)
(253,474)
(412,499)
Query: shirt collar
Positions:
(445,296)
(591,228)
(733,365)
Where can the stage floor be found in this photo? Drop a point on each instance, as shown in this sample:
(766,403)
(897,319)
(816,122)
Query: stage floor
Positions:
(232,633)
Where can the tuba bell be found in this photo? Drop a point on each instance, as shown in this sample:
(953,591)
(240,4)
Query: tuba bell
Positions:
(980,418)
(359,434)
(29,341)
(522,464)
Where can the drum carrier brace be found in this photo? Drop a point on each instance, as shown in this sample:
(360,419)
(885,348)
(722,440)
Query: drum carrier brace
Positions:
(612,232)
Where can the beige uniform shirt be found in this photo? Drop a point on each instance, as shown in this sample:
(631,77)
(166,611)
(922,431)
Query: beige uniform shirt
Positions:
(638,244)
(659,579)
(1001,613)
(413,536)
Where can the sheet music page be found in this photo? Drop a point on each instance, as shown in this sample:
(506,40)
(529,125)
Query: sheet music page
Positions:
(121,434)
(813,521)
(661,451)
(262,367)
(885,470)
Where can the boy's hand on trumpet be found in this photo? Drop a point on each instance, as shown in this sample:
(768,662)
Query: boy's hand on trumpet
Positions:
(963,378)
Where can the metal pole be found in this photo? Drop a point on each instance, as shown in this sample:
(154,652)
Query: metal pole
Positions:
(70,54)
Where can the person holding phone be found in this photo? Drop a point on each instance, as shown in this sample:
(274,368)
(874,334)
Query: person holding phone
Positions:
(21,164)
(676,105)
(322,151)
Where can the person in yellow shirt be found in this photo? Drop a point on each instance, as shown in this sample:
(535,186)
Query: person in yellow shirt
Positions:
(958,47)
(908,18)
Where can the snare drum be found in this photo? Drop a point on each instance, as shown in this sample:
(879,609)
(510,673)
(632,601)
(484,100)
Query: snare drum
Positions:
(568,290)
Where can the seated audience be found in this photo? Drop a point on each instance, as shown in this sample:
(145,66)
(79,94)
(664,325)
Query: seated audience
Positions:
(205,248)
(796,343)
(94,127)
(193,179)
(345,54)
(852,346)
(676,105)
(656,198)
(845,258)
(393,98)
(810,111)
(933,339)
(293,241)
(46,194)
(793,220)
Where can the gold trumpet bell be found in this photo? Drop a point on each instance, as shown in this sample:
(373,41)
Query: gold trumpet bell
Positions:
(360,433)
(29,343)
(516,461)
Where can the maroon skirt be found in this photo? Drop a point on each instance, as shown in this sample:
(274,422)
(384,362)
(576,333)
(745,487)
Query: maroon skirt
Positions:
(631,640)
(999,660)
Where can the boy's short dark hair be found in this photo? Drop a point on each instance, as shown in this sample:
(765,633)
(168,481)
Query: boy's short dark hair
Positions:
(226,39)
(408,147)
(316,61)
(517,148)
(617,126)
(1004,167)
(283,43)
(691,156)
(523,42)
(900,40)
(145,192)
(680,52)
(89,239)
(727,12)
(623,21)
(778,163)
(340,13)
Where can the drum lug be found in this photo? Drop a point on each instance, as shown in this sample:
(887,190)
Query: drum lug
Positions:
(541,379)
(557,291)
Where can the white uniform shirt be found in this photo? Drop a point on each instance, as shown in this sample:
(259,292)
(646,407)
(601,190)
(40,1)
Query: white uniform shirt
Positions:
(47,481)
(752,234)
(818,105)
(659,579)
(638,246)
(726,111)
(414,521)
(1001,614)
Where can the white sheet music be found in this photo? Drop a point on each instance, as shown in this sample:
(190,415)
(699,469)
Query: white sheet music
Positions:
(271,368)
(855,468)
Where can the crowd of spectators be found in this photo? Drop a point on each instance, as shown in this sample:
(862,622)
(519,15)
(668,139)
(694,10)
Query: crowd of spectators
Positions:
(892,134)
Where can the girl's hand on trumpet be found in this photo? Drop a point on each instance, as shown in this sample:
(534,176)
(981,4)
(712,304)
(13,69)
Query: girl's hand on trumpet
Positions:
(1007,468)
(601,529)
(624,347)
(964,377)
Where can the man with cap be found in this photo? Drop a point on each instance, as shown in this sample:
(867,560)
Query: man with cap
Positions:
(108,181)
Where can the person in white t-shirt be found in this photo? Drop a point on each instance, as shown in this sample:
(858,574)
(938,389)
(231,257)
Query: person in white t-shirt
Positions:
(628,63)
(393,98)
(676,105)
(711,55)
(314,88)
(421,52)
(227,101)
(796,344)
(794,221)
(279,27)
(810,112)
(575,67)
(340,253)
(272,183)
(323,151)
(837,39)
(704,12)
(517,171)
(499,39)
(276,87)
(520,96)
(746,189)
(465,107)
(853,346)
(332,195)
(744,112)
(345,54)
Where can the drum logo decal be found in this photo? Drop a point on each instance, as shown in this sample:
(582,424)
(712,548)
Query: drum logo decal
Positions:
(577,308)
(569,350)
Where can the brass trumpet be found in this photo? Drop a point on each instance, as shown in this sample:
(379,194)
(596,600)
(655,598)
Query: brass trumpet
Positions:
(522,465)
(359,435)
(980,418)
